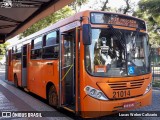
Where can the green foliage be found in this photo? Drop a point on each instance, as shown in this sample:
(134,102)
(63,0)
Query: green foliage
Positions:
(3,48)
(156,83)
(61,14)
(76,5)
(151,6)
(81,2)
(149,10)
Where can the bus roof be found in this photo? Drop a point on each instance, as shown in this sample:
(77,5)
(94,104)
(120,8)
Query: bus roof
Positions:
(113,13)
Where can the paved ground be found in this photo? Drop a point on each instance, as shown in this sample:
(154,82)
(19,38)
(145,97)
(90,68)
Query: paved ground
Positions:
(13,99)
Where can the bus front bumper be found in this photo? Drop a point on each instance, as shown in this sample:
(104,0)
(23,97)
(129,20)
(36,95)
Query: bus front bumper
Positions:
(95,108)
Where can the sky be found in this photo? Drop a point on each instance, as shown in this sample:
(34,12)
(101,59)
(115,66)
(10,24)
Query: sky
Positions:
(89,5)
(13,41)
(117,3)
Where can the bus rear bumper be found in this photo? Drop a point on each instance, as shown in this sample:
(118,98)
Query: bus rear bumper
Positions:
(96,108)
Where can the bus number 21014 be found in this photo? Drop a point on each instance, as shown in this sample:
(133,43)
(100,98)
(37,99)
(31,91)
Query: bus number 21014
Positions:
(121,94)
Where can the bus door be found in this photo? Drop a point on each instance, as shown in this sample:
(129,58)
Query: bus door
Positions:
(24,65)
(9,67)
(67,73)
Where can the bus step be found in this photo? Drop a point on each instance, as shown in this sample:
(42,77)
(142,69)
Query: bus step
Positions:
(25,89)
(69,109)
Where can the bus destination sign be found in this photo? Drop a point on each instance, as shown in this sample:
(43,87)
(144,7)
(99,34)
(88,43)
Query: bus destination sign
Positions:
(123,22)
(117,19)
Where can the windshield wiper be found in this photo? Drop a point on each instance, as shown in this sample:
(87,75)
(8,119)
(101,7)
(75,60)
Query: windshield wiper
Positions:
(118,36)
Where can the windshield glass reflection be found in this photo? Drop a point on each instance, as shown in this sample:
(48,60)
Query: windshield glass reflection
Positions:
(117,53)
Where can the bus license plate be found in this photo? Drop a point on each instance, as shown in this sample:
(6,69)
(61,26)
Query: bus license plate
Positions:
(129,105)
(121,94)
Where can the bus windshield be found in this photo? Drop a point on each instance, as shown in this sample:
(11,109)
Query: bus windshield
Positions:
(116,53)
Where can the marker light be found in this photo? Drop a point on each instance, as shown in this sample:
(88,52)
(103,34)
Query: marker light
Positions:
(148,88)
(98,94)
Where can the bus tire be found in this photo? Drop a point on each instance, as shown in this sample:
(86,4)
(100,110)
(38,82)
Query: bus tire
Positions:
(52,97)
(15,81)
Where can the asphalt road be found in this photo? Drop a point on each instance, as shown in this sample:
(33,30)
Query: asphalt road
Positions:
(13,99)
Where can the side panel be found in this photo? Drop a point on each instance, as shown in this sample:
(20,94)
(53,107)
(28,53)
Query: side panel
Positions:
(49,74)
(35,76)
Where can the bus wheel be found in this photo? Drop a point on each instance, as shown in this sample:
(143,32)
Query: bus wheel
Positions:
(15,81)
(52,96)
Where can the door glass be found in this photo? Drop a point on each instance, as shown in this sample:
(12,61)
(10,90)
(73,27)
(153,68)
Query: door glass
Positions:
(24,56)
(67,77)
(67,58)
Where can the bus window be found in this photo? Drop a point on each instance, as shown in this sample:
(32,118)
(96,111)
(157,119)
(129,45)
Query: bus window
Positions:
(137,53)
(24,58)
(32,44)
(36,50)
(51,38)
(13,49)
(51,48)
(36,54)
(17,56)
(38,43)
(16,52)
(18,49)
(106,56)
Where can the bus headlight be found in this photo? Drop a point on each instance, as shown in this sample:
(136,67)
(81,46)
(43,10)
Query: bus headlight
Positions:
(98,94)
(148,88)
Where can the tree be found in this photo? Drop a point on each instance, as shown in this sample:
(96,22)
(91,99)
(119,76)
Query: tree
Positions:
(104,5)
(3,49)
(149,10)
(101,5)
(77,4)
(128,8)
(152,8)
(61,14)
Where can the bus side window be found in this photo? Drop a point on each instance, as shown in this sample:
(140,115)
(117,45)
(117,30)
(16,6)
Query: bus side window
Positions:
(16,53)
(16,56)
(13,50)
(32,44)
(36,48)
(51,47)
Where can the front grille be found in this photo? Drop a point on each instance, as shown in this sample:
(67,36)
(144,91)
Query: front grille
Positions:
(133,84)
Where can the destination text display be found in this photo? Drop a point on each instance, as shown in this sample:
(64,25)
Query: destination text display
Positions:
(117,19)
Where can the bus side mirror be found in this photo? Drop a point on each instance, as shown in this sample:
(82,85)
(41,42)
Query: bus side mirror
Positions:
(87,40)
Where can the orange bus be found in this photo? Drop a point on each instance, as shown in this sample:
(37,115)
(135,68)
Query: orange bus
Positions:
(93,64)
